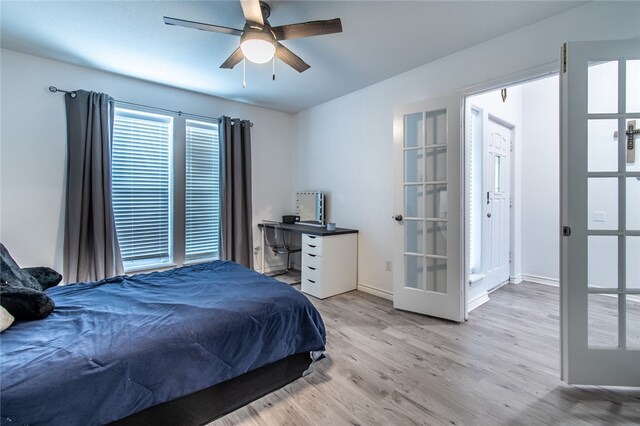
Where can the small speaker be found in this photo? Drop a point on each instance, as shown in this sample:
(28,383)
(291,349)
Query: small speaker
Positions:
(290,218)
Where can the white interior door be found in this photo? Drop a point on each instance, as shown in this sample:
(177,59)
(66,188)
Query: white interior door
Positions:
(496,203)
(427,273)
(600,213)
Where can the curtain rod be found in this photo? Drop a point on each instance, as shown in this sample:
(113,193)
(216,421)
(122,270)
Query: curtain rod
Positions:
(54,89)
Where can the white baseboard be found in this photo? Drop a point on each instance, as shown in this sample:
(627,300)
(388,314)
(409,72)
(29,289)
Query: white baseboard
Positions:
(554,282)
(375,291)
(516,280)
(479,300)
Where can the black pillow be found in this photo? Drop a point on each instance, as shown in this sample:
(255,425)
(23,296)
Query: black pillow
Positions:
(25,303)
(47,277)
(11,273)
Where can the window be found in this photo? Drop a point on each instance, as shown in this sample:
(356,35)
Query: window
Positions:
(475,191)
(141,173)
(152,195)
(202,195)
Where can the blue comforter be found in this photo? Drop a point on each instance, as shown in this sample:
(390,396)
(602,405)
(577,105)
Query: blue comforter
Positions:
(117,346)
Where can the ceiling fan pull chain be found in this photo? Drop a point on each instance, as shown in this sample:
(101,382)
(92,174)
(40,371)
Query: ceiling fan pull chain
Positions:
(273,75)
(244,73)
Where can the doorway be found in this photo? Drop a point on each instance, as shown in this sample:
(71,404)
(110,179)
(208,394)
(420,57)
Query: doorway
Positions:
(512,187)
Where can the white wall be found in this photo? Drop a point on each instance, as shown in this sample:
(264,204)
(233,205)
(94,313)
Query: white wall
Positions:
(344,146)
(33,144)
(541,180)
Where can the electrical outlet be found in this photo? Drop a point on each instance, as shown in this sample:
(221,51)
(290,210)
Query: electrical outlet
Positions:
(256,250)
(388,265)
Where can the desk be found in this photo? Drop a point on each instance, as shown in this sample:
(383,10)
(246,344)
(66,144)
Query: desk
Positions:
(329,258)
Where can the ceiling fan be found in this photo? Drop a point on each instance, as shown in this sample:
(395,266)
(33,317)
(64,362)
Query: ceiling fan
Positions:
(259,41)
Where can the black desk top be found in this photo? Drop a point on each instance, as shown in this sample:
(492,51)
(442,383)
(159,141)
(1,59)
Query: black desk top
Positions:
(310,229)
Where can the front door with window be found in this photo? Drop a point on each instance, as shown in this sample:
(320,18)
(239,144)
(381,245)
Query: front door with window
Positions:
(496,203)
(600,213)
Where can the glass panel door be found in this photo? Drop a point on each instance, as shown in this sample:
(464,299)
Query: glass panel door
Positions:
(600,211)
(425,282)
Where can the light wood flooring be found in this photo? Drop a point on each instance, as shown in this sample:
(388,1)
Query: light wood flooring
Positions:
(388,367)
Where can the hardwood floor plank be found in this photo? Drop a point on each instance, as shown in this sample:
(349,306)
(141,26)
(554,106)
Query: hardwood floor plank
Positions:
(389,367)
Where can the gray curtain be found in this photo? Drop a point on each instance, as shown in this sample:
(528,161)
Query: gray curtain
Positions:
(91,250)
(236,236)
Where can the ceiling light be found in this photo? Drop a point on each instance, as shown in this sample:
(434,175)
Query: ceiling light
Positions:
(257,46)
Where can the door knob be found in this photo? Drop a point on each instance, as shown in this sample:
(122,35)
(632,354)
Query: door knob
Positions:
(398,218)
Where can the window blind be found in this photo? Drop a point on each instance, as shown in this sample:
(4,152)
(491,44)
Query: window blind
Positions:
(475,192)
(202,197)
(141,174)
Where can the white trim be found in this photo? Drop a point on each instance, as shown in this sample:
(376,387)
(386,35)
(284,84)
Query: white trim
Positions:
(385,294)
(516,280)
(478,301)
(554,282)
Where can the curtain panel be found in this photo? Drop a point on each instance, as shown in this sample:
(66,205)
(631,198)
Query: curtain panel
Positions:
(91,250)
(236,236)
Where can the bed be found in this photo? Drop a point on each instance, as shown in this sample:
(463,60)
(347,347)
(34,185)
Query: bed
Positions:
(122,345)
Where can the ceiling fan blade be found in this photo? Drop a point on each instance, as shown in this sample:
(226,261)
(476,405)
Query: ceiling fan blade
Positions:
(291,59)
(201,26)
(252,11)
(307,29)
(233,59)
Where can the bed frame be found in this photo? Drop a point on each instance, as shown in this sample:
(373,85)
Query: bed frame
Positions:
(209,404)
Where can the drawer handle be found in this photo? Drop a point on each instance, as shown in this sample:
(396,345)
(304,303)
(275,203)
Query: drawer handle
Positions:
(312,246)
(313,237)
(312,268)
(311,281)
(312,255)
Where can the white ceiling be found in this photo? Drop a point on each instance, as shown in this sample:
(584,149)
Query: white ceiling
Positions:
(380,39)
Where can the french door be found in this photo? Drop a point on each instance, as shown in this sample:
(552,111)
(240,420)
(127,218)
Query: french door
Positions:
(600,213)
(427,273)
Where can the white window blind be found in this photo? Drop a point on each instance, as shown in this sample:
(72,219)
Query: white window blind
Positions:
(202,197)
(141,173)
(475,192)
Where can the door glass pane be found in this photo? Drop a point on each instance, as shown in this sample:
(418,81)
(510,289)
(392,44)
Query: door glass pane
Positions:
(633,262)
(602,261)
(414,236)
(413,165)
(633,321)
(413,130)
(603,203)
(603,87)
(497,174)
(436,128)
(603,320)
(602,146)
(633,156)
(414,271)
(436,201)
(436,275)
(436,238)
(414,201)
(436,164)
(633,204)
(633,86)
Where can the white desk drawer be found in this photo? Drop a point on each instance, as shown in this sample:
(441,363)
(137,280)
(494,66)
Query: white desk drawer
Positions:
(312,249)
(313,260)
(312,273)
(311,287)
(313,240)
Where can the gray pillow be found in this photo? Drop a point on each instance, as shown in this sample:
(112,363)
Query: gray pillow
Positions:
(11,273)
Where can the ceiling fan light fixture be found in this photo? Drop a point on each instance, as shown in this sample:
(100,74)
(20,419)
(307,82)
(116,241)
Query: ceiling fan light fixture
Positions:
(257,46)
